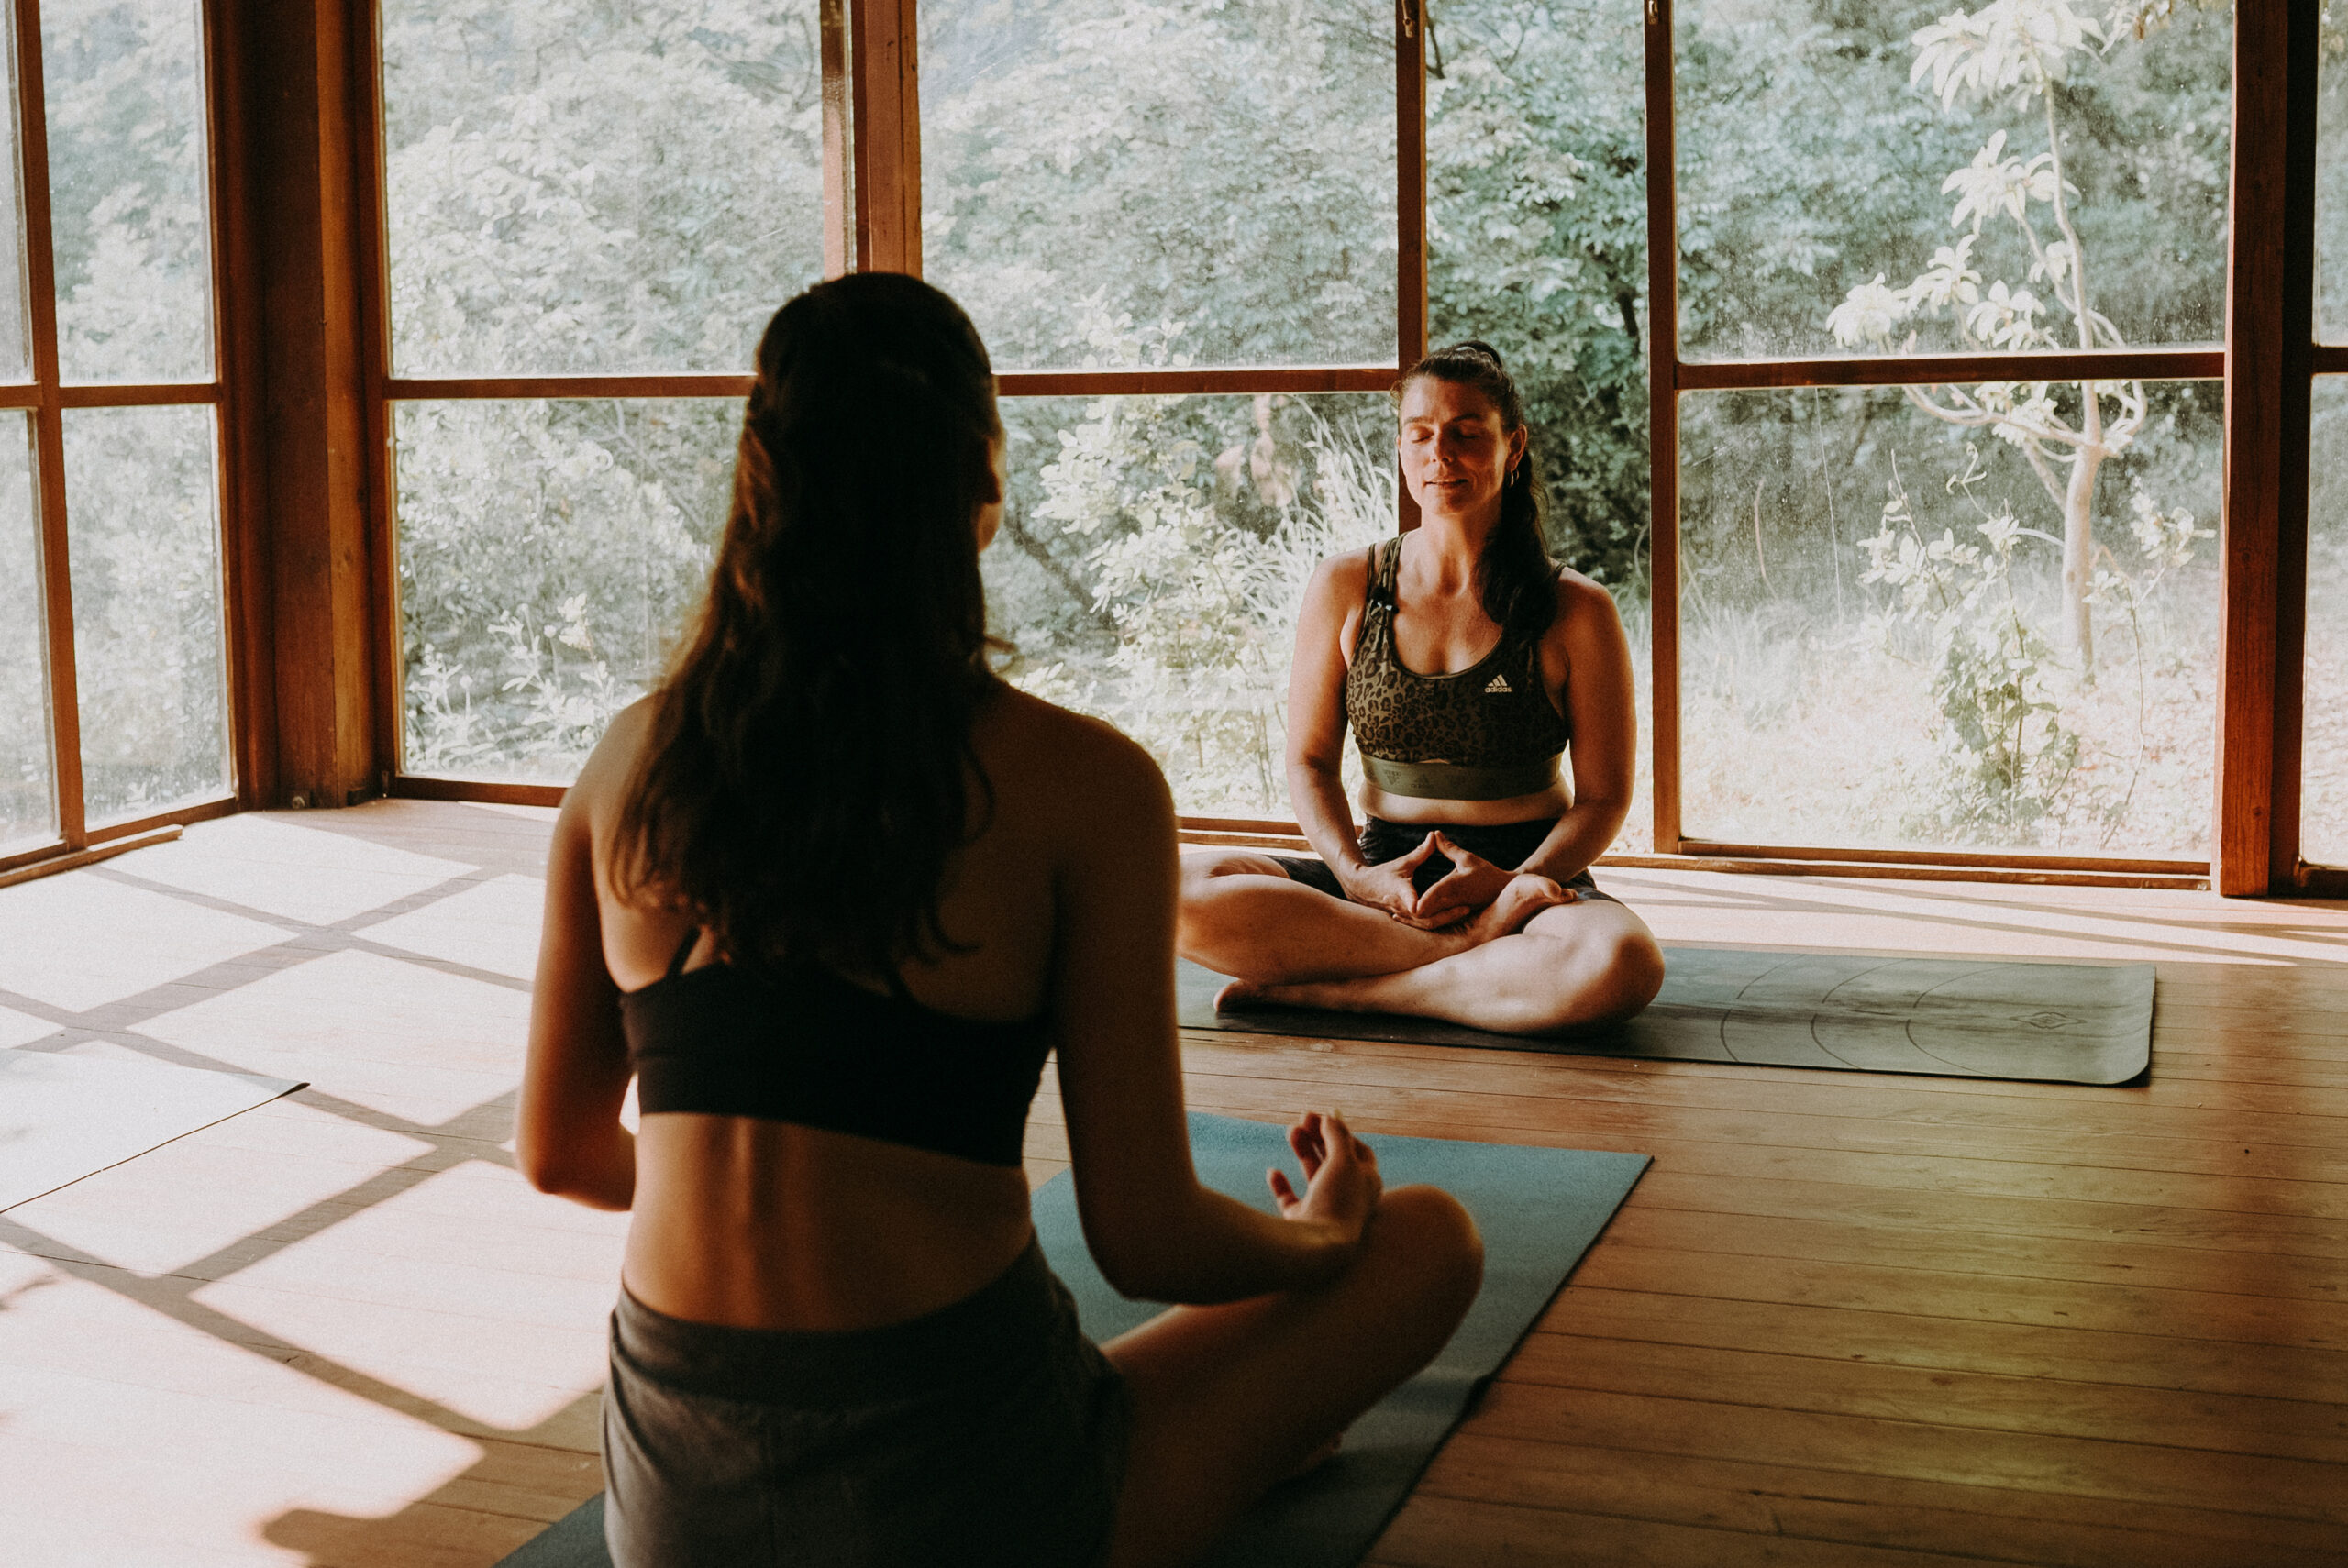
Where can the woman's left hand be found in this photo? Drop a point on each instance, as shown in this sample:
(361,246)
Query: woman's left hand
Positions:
(1470,884)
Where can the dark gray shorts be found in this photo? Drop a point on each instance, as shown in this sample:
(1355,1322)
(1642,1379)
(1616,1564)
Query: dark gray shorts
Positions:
(988,1432)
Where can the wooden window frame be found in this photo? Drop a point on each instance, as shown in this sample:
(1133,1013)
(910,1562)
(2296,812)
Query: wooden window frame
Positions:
(2254,846)
(48,395)
(872,215)
(873,205)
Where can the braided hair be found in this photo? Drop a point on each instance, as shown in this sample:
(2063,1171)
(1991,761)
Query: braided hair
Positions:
(1516,581)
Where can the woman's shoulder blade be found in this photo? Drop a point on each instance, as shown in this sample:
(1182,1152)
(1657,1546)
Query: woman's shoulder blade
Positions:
(1064,745)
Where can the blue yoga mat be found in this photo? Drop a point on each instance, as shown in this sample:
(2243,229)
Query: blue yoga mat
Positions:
(1539,1210)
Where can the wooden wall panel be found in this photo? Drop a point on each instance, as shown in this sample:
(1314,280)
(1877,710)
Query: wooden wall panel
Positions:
(300,142)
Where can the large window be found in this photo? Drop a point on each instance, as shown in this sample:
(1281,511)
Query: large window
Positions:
(1943,510)
(1876,354)
(114,688)
(589,207)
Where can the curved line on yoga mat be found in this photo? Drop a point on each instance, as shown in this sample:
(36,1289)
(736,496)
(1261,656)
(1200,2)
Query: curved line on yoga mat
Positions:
(1827,995)
(1830,1050)
(1909,1028)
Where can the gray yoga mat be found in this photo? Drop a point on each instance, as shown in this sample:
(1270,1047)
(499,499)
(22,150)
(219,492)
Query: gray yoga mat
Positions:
(1539,1210)
(1975,1018)
(63,1118)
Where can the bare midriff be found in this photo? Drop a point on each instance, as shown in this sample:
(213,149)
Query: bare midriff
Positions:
(1552,802)
(759,1224)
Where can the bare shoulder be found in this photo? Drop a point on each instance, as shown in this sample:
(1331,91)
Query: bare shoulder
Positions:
(612,764)
(1079,769)
(1585,611)
(1345,578)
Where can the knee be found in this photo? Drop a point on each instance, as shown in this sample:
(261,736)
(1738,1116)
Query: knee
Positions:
(1617,975)
(1201,871)
(1430,1240)
(1634,977)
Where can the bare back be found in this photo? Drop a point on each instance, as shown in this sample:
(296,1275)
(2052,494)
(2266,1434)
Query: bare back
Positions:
(771,1224)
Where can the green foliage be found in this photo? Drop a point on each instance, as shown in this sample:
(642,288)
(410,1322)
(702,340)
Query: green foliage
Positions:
(520,641)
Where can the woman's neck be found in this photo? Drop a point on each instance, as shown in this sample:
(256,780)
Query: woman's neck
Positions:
(1449,545)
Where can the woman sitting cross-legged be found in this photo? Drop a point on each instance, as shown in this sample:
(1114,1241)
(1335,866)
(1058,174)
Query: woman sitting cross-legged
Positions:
(829,897)
(1466,661)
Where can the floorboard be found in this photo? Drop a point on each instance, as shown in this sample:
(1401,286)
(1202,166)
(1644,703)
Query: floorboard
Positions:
(1846,1320)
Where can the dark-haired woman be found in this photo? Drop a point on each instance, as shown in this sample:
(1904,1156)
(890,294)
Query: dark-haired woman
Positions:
(829,896)
(1466,662)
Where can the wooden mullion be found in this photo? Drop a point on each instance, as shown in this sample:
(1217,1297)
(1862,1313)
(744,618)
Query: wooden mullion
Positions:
(2249,534)
(1663,426)
(371,248)
(2294,431)
(839,194)
(236,395)
(1195,381)
(2113,863)
(1410,209)
(886,110)
(1944,369)
(1170,382)
(151,394)
(433,388)
(48,432)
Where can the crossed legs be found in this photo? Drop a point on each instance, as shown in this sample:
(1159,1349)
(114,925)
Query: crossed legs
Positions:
(1525,964)
(1229,1400)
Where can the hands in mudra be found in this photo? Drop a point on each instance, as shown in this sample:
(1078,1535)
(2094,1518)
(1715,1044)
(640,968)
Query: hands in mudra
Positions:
(1342,1185)
(1470,884)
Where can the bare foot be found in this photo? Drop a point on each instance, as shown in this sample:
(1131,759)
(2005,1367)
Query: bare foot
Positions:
(1241,993)
(1524,897)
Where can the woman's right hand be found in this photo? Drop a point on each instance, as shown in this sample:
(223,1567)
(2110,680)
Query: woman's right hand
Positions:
(1342,1185)
(1388,885)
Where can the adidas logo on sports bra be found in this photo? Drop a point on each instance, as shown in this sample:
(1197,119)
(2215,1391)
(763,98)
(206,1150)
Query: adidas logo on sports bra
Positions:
(1499,683)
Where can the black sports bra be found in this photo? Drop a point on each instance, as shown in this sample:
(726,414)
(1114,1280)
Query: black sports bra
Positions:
(796,1042)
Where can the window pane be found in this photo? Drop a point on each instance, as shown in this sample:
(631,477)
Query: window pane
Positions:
(1188,183)
(28,780)
(2331,186)
(123,81)
(148,644)
(1153,555)
(2323,799)
(15,357)
(1878,646)
(1536,190)
(1828,205)
(547,553)
(597,185)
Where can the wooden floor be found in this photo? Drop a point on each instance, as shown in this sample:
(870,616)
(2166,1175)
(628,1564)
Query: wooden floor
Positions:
(1845,1320)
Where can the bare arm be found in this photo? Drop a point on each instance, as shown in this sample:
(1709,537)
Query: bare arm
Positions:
(1601,706)
(1316,711)
(568,1136)
(1316,744)
(1153,1228)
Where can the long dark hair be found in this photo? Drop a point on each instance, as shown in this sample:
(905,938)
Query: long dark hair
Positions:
(807,777)
(1516,581)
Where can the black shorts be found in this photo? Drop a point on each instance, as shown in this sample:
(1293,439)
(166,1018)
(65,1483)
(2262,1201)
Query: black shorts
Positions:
(1509,844)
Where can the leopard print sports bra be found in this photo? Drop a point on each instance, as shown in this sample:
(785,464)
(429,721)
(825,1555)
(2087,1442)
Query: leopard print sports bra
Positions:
(1486,733)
